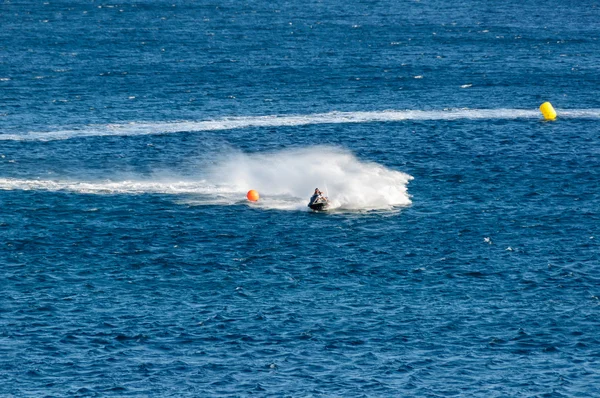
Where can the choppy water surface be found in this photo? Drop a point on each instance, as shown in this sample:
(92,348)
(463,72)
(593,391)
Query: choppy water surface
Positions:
(461,257)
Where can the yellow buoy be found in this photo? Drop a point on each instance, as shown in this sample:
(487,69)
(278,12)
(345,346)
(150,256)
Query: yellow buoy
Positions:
(252,195)
(548,111)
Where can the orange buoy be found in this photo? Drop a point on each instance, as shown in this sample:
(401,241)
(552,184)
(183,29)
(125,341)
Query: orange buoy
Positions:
(252,195)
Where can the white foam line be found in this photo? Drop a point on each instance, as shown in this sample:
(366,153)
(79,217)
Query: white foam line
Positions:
(143,128)
(285,180)
(110,187)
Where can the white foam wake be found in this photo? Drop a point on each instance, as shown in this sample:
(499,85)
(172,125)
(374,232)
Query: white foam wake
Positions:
(284,179)
(141,128)
(107,187)
(349,183)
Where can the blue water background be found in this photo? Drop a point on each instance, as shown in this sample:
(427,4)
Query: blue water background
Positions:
(487,285)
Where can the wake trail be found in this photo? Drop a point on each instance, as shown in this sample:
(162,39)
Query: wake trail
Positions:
(109,187)
(284,179)
(150,128)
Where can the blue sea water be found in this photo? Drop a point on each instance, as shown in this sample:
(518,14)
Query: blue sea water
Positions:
(462,257)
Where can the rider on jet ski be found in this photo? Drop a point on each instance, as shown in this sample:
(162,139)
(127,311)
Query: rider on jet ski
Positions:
(316,196)
(318,202)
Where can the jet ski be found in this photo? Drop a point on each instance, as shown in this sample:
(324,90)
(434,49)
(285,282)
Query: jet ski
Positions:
(319,203)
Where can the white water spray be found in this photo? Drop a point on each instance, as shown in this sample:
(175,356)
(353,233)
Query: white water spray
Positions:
(296,173)
(284,179)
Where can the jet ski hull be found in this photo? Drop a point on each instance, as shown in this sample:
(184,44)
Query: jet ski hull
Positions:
(322,206)
(318,204)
